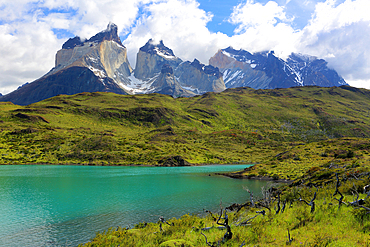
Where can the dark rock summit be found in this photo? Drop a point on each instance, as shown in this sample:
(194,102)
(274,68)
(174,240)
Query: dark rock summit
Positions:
(72,43)
(208,69)
(111,33)
(151,58)
(152,48)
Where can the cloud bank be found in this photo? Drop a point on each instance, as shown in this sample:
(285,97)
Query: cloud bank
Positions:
(32,31)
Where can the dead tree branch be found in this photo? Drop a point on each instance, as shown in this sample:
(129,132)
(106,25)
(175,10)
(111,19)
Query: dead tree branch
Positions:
(311,203)
(340,200)
(290,240)
(251,195)
(263,212)
(209,244)
(213,217)
(278,204)
(228,235)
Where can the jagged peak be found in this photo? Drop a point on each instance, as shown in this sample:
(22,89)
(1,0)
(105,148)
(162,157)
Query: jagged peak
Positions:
(208,69)
(160,49)
(303,57)
(72,43)
(110,33)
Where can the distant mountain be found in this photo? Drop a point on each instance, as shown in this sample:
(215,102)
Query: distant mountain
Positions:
(263,70)
(200,78)
(189,78)
(100,64)
(97,64)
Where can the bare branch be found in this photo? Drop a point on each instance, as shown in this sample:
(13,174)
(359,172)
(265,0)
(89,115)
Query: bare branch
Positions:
(290,240)
(211,245)
(250,194)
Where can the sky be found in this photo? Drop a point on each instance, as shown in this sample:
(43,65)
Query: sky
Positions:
(32,31)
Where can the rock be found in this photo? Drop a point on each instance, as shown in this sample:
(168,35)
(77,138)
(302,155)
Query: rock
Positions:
(200,78)
(166,83)
(167,69)
(72,43)
(109,34)
(174,161)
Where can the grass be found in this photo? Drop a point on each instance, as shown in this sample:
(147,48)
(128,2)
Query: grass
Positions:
(238,125)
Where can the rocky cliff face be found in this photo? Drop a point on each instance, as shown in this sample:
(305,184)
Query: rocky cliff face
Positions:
(150,59)
(313,71)
(103,54)
(166,83)
(200,78)
(264,70)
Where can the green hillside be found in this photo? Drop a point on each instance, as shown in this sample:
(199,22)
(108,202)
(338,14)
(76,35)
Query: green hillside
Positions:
(237,125)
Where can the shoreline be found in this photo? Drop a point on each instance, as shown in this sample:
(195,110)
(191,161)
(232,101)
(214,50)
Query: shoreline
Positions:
(239,175)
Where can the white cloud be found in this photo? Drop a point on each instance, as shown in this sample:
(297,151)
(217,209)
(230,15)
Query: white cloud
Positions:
(182,27)
(263,27)
(25,53)
(254,15)
(341,34)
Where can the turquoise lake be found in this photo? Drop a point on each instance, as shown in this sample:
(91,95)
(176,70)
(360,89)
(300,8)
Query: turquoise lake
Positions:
(66,205)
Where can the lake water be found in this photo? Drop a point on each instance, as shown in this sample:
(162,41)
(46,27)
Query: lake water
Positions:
(67,205)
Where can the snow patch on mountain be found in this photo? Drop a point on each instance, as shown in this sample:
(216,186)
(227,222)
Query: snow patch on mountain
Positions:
(137,86)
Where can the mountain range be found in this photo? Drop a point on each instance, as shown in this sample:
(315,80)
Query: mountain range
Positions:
(100,64)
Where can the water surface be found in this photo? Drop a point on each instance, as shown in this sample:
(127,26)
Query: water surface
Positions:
(67,205)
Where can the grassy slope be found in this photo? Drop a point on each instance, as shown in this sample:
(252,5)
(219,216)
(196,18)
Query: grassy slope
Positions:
(238,125)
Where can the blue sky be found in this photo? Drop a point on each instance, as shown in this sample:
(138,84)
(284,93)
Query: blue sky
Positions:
(32,31)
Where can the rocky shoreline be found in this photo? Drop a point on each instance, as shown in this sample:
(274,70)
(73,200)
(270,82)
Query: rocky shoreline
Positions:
(240,175)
